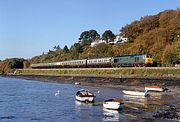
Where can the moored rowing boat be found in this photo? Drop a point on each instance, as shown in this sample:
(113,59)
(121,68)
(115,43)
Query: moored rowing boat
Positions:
(85,96)
(114,104)
(154,88)
(136,93)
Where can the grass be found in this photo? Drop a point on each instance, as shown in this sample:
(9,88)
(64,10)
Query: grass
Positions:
(109,72)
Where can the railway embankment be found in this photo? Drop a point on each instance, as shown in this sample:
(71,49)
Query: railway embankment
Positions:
(106,72)
(111,77)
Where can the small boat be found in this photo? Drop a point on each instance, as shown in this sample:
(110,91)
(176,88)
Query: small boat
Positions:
(113,104)
(84,95)
(136,93)
(155,88)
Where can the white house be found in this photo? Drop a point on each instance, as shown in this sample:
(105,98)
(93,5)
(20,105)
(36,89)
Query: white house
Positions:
(120,39)
(97,41)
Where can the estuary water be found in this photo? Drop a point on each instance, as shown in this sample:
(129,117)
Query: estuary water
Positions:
(35,101)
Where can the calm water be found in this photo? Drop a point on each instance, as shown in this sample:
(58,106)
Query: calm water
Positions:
(27,100)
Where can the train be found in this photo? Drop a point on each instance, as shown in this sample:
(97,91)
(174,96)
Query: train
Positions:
(133,60)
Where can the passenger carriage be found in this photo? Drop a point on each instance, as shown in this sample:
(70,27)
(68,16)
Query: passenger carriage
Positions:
(46,65)
(74,63)
(62,64)
(99,62)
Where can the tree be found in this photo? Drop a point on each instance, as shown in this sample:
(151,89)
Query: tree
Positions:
(108,36)
(87,37)
(58,47)
(93,35)
(165,17)
(101,50)
(26,64)
(171,54)
(54,48)
(77,47)
(17,63)
(65,49)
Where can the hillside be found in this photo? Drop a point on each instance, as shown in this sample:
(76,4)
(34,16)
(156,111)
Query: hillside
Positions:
(9,65)
(158,35)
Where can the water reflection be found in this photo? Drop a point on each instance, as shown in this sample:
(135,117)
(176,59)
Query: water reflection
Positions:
(112,115)
(135,100)
(80,104)
(88,112)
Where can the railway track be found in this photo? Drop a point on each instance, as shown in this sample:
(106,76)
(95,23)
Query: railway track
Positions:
(106,68)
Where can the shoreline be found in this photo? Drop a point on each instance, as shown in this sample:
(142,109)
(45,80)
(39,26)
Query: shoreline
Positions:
(102,80)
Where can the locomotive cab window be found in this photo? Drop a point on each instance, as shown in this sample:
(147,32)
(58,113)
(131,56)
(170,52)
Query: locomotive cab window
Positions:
(115,60)
(148,56)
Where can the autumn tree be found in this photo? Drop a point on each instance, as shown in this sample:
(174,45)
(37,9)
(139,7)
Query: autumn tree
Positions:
(100,50)
(171,53)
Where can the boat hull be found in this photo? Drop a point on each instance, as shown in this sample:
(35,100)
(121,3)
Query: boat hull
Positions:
(85,99)
(154,88)
(112,105)
(135,93)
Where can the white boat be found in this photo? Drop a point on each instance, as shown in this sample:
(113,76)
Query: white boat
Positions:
(114,104)
(84,95)
(155,88)
(136,93)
